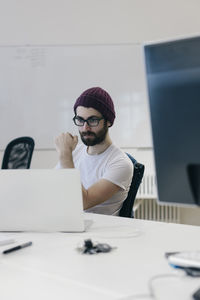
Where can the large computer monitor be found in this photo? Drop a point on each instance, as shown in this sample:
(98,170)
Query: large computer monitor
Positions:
(173,84)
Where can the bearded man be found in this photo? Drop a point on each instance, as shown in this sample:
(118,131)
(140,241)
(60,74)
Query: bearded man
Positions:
(106,171)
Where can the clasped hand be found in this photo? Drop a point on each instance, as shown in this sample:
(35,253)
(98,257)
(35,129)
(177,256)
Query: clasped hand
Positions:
(65,144)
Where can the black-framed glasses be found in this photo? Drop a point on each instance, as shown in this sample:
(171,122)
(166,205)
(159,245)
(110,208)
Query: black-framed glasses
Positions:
(92,121)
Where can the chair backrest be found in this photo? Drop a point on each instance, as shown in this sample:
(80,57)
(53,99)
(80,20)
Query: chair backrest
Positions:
(18,153)
(127,207)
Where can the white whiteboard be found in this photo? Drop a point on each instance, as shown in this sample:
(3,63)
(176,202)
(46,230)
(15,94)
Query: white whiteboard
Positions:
(39,85)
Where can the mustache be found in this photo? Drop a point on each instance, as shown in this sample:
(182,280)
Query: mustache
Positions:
(84,133)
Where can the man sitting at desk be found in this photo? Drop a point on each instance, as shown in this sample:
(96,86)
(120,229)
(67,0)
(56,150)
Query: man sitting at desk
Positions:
(105,170)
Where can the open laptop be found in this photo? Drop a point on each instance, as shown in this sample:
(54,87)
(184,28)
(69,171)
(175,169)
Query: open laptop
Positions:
(41,200)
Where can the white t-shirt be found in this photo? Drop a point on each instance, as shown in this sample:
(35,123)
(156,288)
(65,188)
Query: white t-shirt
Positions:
(113,165)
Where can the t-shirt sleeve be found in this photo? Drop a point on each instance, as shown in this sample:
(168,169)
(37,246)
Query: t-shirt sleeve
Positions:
(120,172)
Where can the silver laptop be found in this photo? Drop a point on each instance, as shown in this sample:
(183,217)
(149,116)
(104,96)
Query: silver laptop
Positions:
(41,200)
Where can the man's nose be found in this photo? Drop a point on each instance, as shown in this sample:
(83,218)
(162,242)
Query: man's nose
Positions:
(85,126)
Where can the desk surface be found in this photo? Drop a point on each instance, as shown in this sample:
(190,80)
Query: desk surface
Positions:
(53,269)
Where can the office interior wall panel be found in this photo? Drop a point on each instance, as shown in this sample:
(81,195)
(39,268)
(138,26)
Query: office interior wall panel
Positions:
(95,21)
(89,22)
(39,85)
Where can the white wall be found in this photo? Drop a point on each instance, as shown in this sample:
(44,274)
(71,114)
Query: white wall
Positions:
(95,21)
(24,22)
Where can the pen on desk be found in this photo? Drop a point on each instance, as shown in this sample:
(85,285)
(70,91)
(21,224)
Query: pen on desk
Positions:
(17,247)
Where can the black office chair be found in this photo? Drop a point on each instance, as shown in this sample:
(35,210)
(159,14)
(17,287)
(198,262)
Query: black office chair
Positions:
(18,153)
(127,207)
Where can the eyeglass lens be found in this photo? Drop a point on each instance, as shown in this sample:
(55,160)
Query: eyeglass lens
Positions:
(90,121)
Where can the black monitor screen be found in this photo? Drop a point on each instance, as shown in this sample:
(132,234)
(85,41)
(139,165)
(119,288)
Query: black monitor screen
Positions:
(173,82)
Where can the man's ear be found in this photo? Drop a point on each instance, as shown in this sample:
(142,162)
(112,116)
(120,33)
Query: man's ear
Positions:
(109,124)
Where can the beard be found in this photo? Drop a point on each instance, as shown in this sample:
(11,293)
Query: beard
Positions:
(94,138)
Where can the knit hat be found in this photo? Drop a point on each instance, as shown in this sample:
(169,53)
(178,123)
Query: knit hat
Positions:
(98,99)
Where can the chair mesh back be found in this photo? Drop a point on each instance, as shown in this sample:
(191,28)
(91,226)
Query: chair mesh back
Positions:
(127,207)
(18,154)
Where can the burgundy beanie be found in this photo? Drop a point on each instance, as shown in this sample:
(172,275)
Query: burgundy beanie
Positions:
(98,99)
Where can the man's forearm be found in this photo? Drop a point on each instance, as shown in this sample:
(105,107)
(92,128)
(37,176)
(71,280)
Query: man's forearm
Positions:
(66,161)
(85,198)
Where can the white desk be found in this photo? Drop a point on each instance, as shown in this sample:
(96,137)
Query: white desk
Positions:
(52,268)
